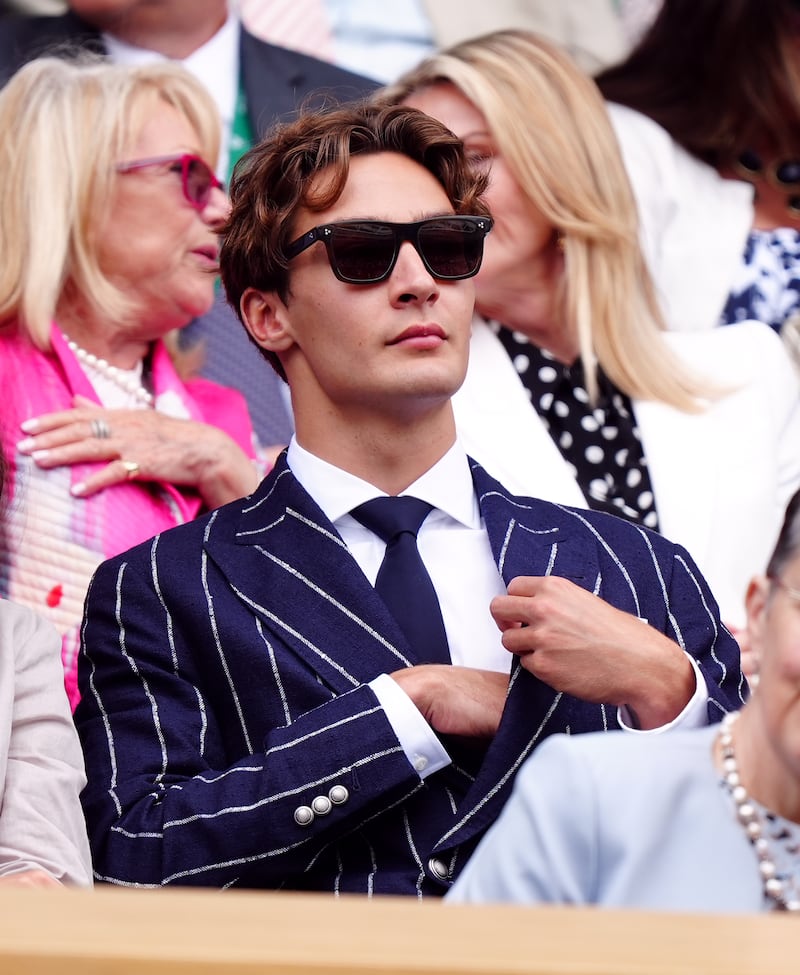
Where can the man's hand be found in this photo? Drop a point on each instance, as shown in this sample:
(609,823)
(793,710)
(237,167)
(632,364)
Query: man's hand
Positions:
(578,643)
(456,700)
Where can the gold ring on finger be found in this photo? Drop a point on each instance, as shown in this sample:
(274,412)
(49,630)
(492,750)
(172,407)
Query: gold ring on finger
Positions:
(131,468)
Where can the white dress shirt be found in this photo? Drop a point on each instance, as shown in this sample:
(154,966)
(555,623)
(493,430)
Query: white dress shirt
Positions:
(454,545)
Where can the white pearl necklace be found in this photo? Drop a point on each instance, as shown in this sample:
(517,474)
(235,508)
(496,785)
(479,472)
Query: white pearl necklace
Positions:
(775,889)
(131,386)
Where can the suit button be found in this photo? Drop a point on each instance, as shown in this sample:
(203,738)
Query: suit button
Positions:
(304,815)
(338,795)
(321,805)
(438,868)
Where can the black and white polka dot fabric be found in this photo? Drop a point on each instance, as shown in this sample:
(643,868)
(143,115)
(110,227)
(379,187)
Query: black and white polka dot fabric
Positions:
(601,443)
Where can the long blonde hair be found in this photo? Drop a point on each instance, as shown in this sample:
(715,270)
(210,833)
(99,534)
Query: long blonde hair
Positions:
(549,122)
(63,126)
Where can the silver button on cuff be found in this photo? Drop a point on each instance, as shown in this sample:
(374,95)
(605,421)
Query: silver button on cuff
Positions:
(321,805)
(438,868)
(304,815)
(338,794)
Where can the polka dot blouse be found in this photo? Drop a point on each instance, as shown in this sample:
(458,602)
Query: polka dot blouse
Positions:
(601,443)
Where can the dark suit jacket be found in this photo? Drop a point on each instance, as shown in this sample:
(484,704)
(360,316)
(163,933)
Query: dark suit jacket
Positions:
(224,676)
(276,82)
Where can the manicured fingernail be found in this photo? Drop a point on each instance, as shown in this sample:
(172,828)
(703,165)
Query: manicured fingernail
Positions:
(78,489)
(29,426)
(26,445)
(40,455)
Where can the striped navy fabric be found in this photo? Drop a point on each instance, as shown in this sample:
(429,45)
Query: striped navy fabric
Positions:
(230,735)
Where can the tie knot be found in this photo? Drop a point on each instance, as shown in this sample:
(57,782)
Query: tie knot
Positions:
(390,517)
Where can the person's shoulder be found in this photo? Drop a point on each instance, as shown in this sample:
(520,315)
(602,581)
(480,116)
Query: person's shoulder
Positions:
(315,71)
(25,38)
(609,753)
(541,515)
(19,623)
(737,353)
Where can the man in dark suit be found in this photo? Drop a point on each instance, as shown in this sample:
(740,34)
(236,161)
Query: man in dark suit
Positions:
(272,82)
(253,713)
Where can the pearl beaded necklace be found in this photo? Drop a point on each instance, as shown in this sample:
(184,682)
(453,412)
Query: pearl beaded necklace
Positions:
(129,385)
(775,889)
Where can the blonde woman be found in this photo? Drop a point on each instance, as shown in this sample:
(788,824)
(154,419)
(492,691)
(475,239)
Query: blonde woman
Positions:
(574,392)
(109,212)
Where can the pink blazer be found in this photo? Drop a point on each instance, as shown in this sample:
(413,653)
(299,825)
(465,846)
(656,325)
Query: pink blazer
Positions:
(52,542)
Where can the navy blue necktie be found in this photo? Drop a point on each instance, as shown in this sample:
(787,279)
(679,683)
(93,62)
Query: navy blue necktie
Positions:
(403,581)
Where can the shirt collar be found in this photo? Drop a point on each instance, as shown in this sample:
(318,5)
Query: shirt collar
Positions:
(215,63)
(447,485)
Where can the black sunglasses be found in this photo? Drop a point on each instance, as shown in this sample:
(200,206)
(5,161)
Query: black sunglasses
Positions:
(197,177)
(365,251)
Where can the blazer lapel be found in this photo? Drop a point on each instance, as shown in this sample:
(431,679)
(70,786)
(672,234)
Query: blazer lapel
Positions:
(285,561)
(527,537)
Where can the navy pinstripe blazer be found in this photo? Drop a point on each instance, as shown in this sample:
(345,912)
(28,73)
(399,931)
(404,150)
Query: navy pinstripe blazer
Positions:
(224,676)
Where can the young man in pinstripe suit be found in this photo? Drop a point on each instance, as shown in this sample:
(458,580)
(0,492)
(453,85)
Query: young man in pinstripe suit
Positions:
(252,714)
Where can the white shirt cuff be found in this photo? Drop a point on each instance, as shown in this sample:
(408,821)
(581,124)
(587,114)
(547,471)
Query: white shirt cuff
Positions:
(694,715)
(422,748)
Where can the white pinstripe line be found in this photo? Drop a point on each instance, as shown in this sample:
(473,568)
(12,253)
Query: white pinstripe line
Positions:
(373,871)
(331,536)
(136,836)
(201,706)
(135,669)
(112,755)
(275,672)
(215,630)
(125,883)
(610,551)
(268,800)
(335,602)
(412,847)
(714,657)
(263,529)
(236,770)
(298,636)
(340,866)
(238,861)
(504,548)
(268,495)
(320,731)
(511,771)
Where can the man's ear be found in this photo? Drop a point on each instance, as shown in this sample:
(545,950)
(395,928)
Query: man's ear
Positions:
(267,319)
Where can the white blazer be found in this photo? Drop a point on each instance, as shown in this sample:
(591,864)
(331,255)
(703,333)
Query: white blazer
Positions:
(694,223)
(721,478)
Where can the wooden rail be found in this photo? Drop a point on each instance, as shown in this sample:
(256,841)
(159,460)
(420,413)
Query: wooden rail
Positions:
(177,932)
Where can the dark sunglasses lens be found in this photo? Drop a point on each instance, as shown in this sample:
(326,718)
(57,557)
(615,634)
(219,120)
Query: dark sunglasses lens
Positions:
(198,180)
(362,252)
(451,248)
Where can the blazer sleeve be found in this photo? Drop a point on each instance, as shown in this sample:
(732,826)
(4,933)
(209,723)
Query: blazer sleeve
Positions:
(693,621)
(174,796)
(41,823)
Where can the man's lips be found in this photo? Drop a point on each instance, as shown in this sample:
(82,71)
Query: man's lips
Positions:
(422,336)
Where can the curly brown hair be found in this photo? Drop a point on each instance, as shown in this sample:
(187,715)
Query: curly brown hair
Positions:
(279,176)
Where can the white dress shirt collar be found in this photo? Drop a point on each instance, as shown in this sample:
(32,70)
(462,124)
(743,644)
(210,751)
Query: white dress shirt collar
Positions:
(447,485)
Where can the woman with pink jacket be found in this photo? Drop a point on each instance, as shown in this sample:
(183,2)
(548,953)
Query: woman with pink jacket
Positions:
(109,213)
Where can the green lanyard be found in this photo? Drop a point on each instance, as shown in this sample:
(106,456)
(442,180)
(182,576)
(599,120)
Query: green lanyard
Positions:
(241,131)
